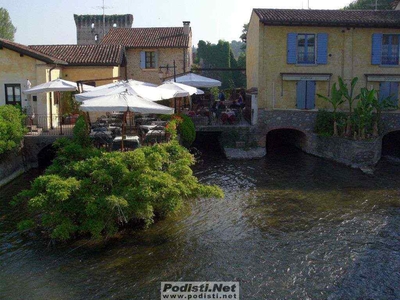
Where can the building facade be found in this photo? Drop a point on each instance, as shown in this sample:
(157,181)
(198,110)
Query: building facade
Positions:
(293,55)
(152,51)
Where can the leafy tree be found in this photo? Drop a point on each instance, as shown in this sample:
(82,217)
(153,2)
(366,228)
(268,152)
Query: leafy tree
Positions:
(187,130)
(243,36)
(7,29)
(370,4)
(219,56)
(237,48)
(87,192)
(12,129)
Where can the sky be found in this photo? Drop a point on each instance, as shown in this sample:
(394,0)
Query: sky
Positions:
(47,22)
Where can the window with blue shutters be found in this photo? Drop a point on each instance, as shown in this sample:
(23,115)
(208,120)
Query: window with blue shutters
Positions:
(306,48)
(305,94)
(385,49)
(148,59)
(390,49)
(389,90)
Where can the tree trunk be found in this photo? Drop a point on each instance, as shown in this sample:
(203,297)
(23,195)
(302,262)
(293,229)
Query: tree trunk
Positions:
(375,131)
(335,132)
(348,127)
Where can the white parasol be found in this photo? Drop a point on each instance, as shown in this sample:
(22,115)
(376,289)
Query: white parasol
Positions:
(198,80)
(57,85)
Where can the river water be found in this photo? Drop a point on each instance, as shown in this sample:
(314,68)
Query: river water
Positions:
(291,226)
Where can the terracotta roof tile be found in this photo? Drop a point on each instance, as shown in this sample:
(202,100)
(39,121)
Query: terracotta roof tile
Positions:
(311,17)
(22,49)
(161,37)
(81,55)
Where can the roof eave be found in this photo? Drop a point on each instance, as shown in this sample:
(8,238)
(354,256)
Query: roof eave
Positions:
(328,24)
(33,55)
(94,64)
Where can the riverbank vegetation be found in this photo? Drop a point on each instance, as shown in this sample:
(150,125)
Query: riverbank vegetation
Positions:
(363,119)
(12,129)
(87,192)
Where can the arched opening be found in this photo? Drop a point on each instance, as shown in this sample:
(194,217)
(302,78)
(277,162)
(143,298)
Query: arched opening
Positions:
(285,139)
(391,145)
(208,144)
(46,156)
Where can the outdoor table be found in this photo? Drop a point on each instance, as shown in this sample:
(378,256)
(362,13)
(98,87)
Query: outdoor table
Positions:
(155,135)
(146,128)
(228,116)
(101,138)
(131,142)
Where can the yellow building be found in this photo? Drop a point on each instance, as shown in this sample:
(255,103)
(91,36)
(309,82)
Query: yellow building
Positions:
(293,55)
(18,64)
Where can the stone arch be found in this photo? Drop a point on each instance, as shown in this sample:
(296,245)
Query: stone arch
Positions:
(46,155)
(34,145)
(286,136)
(391,143)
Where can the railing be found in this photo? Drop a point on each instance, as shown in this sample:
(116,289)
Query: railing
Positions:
(219,117)
(50,125)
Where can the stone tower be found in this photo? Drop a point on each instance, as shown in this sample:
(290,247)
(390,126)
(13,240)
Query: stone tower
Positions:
(90,29)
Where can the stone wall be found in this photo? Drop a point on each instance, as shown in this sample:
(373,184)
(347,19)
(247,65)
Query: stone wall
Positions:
(356,154)
(11,166)
(391,122)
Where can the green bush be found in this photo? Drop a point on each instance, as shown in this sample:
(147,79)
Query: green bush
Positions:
(324,122)
(88,192)
(187,131)
(12,129)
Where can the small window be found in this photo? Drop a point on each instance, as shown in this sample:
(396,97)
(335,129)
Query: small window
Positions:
(390,49)
(13,94)
(306,48)
(150,60)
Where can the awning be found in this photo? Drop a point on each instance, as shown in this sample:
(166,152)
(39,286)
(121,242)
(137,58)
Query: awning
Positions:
(382,77)
(306,76)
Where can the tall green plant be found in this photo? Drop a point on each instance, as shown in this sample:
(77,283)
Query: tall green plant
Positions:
(363,112)
(348,95)
(335,100)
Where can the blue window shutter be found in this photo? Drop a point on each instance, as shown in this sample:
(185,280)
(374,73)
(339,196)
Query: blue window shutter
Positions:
(301,94)
(291,48)
(310,95)
(384,90)
(322,46)
(394,92)
(143,59)
(376,57)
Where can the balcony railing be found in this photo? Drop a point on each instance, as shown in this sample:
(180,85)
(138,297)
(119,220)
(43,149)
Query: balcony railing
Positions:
(50,125)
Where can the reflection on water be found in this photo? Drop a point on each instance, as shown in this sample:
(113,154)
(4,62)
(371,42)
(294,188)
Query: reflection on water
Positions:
(291,226)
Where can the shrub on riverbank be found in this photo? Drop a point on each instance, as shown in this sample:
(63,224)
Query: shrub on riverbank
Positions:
(11,127)
(86,191)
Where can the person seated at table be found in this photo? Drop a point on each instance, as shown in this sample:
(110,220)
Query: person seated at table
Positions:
(221,105)
(234,105)
(199,109)
(241,100)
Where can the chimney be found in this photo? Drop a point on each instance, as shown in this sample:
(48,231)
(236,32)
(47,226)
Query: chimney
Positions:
(186,27)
